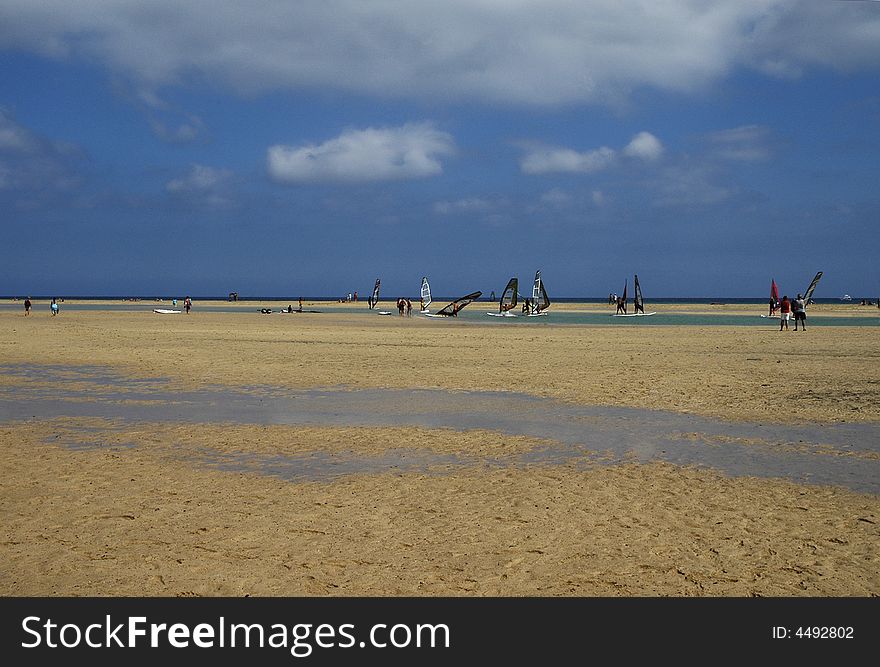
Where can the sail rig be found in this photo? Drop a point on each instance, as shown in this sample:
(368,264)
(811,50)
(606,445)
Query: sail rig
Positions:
(638,303)
(374,299)
(426,294)
(540,300)
(774,291)
(509,296)
(812,288)
(452,309)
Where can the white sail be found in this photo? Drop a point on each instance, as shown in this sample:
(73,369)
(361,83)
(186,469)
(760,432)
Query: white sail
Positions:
(426,294)
(540,301)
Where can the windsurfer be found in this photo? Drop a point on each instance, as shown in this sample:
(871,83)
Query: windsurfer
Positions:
(784,313)
(621,305)
(800,313)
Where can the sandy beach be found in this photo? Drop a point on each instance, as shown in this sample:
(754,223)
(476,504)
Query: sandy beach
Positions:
(112,507)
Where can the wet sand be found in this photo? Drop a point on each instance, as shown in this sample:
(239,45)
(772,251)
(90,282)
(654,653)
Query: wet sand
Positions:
(137,510)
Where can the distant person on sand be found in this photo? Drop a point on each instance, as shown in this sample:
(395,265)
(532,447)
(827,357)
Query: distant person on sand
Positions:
(784,313)
(54,307)
(27,306)
(408,308)
(800,313)
(301,303)
(773,306)
(188,304)
(621,305)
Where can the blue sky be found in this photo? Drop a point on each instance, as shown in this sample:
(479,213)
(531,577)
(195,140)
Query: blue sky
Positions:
(306,148)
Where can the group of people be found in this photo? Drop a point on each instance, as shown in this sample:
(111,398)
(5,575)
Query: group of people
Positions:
(786,308)
(404,307)
(53,307)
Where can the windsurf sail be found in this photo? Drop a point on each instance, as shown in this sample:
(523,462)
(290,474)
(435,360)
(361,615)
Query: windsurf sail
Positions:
(453,308)
(638,302)
(812,288)
(774,291)
(540,300)
(625,284)
(374,299)
(508,298)
(426,293)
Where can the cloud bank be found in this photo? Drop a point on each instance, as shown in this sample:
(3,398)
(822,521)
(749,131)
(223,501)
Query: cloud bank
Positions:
(534,52)
(371,154)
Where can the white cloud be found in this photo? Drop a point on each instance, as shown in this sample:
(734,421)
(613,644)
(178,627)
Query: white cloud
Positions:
(541,159)
(748,143)
(549,159)
(525,52)
(199,179)
(372,154)
(644,146)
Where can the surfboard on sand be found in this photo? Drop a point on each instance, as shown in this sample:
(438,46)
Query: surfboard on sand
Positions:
(164,311)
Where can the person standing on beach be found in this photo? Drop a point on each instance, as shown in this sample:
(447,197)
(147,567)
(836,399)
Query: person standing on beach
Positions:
(773,306)
(54,307)
(187,304)
(621,305)
(800,313)
(784,313)
(27,306)
(408,308)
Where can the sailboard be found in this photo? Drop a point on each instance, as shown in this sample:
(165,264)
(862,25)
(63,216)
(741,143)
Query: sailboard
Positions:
(540,300)
(374,298)
(452,309)
(426,296)
(638,301)
(164,311)
(812,288)
(508,299)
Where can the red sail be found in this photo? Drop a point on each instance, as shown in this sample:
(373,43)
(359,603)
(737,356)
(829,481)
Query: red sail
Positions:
(774,291)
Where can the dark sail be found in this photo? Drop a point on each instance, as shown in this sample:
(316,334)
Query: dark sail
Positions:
(625,284)
(375,298)
(809,293)
(508,298)
(453,308)
(637,299)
